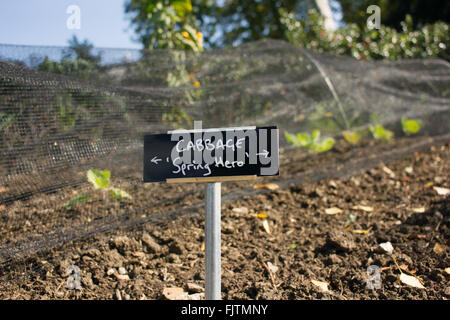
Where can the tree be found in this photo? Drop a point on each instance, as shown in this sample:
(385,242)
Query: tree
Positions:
(165,23)
(78,60)
(393,12)
(251,20)
(229,22)
(81,50)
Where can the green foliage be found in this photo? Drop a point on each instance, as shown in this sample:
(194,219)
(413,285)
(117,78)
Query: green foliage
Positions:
(6,120)
(80,68)
(99,179)
(75,201)
(251,20)
(119,193)
(351,137)
(311,142)
(165,24)
(381,133)
(78,60)
(65,112)
(81,50)
(411,126)
(359,42)
(170,24)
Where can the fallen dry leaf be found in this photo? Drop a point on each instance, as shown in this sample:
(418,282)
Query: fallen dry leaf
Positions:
(122,277)
(242,210)
(202,247)
(442,191)
(273,268)
(419,210)
(3,189)
(175,293)
(2,207)
(417,236)
(265,225)
(411,281)
(447,270)
(270,186)
(439,249)
(389,172)
(359,231)
(363,208)
(409,169)
(138,254)
(333,210)
(387,247)
(322,285)
(262,215)
(428,185)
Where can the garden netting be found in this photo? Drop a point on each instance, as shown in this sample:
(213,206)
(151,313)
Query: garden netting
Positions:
(56,125)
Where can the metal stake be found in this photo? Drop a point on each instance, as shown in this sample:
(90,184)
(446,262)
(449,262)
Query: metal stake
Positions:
(212,241)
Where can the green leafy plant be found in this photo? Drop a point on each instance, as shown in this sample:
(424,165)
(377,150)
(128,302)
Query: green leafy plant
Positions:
(66,114)
(311,142)
(118,193)
(364,44)
(411,126)
(166,24)
(75,201)
(101,180)
(381,133)
(351,137)
(6,120)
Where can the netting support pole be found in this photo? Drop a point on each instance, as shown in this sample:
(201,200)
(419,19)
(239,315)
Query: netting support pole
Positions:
(212,241)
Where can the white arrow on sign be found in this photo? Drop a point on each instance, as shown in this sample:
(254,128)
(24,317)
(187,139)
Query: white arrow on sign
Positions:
(265,153)
(155,160)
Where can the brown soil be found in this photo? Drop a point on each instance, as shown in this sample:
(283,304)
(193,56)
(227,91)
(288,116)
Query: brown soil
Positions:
(158,237)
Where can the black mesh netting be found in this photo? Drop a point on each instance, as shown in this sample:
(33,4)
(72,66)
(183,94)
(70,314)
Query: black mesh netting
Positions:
(55,127)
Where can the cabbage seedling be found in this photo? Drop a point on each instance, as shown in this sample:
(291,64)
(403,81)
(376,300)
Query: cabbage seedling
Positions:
(100,180)
(75,201)
(411,126)
(311,142)
(351,137)
(381,133)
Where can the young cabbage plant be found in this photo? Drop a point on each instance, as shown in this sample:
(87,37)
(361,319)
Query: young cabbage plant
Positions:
(311,142)
(101,180)
(411,126)
(381,133)
(351,137)
(75,201)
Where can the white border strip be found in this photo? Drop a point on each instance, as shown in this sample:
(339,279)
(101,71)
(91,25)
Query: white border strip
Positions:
(210,130)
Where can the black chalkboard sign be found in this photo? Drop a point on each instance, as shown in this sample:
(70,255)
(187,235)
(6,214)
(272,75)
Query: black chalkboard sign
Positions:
(211,153)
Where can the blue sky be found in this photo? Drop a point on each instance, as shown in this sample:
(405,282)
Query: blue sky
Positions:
(43,22)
